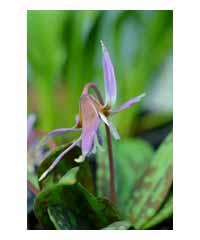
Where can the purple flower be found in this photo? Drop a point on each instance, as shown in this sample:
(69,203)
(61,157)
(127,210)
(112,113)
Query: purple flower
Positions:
(31,137)
(92,111)
(32,141)
(34,154)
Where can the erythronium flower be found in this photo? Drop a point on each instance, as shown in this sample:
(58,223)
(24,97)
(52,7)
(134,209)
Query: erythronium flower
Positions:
(93,110)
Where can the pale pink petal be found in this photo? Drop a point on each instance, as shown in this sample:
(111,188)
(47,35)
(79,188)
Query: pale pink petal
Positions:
(128,104)
(109,78)
(90,123)
(57,160)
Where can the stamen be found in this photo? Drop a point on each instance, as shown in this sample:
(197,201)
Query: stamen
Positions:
(80,159)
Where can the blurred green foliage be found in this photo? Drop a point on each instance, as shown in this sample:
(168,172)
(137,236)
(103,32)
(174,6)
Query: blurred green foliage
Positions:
(64,53)
(143,180)
(143,189)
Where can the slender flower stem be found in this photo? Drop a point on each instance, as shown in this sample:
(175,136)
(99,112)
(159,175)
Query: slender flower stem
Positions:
(109,142)
(94,87)
(111,165)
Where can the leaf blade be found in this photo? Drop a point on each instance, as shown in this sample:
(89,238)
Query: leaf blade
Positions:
(154,186)
(61,203)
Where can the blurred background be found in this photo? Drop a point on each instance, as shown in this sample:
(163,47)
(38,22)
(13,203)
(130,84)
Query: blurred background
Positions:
(64,53)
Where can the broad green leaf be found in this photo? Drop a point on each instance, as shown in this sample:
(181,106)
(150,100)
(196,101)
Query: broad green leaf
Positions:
(73,207)
(131,158)
(165,212)
(70,177)
(84,175)
(151,190)
(120,225)
(62,218)
(57,214)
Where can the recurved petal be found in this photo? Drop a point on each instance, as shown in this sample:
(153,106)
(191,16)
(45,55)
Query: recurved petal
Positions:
(128,104)
(57,160)
(90,123)
(57,132)
(109,78)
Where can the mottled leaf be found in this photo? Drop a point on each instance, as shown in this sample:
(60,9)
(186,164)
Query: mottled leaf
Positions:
(32,185)
(73,207)
(120,225)
(131,158)
(153,187)
(61,218)
(165,212)
(84,175)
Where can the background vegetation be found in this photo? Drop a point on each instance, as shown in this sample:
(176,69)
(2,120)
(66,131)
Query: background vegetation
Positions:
(64,53)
